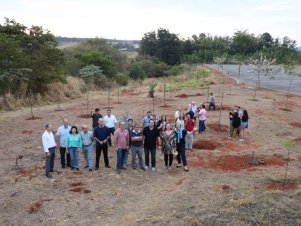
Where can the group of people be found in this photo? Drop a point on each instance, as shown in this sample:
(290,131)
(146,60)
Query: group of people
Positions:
(175,136)
(238,120)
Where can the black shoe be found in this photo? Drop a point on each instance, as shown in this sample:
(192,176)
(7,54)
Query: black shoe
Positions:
(142,168)
(63,167)
(51,171)
(72,168)
(90,170)
(96,167)
(48,175)
(77,169)
(68,165)
(86,167)
(108,166)
(134,168)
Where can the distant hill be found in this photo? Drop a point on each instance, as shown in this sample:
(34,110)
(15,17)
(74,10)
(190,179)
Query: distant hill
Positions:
(122,45)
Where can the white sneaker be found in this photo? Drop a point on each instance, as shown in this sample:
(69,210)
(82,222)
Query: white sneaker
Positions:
(146,168)
(153,169)
(241,139)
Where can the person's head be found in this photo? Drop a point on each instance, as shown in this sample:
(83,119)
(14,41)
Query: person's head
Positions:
(109,112)
(211,94)
(122,125)
(48,127)
(245,114)
(136,127)
(235,114)
(178,125)
(65,122)
(151,123)
(74,130)
(130,122)
(188,116)
(148,113)
(85,128)
(157,117)
(203,106)
(163,118)
(168,126)
(100,122)
(97,110)
(193,103)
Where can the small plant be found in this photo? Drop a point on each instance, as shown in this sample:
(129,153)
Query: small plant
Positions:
(290,146)
(151,92)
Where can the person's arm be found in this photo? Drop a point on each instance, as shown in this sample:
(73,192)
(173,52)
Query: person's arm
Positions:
(80,141)
(45,143)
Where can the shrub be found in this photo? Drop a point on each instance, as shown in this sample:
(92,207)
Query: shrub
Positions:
(122,79)
(136,71)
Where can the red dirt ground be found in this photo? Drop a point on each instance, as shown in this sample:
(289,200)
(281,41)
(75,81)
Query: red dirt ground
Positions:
(84,116)
(218,128)
(232,163)
(277,185)
(225,187)
(189,95)
(295,124)
(128,93)
(204,144)
(76,189)
(76,184)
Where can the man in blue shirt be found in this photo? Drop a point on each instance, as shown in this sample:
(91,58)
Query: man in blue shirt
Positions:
(101,136)
(145,120)
(136,137)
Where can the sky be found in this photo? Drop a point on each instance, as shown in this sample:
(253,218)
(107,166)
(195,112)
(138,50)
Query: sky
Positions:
(131,19)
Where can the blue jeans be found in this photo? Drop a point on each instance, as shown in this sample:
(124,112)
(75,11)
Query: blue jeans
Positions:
(50,161)
(189,137)
(126,156)
(202,126)
(120,158)
(181,154)
(74,156)
(88,155)
(135,151)
(152,151)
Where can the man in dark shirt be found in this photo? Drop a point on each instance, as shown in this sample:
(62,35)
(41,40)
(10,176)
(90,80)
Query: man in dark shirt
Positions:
(95,116)
(101,135)
(151,139)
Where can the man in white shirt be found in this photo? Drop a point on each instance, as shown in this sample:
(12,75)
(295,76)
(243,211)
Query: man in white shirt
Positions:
(110,122)
(49,146)
(62,133)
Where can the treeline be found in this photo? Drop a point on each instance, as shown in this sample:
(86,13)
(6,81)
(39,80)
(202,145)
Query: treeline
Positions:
(30,59)
(204,48)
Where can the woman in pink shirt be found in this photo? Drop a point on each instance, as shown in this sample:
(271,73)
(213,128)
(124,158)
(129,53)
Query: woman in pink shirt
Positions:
(202,119)
(121,137)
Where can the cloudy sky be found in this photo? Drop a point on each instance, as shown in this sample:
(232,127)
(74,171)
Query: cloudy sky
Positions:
(130,19)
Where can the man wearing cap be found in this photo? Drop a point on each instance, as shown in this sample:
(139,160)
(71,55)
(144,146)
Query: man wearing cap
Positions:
(49,146)
(87,139)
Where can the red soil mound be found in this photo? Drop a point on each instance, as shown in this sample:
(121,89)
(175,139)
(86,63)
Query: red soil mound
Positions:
(182,96)
(218,128)
(296,125)
(128,93)
(34,118)
(76,189)
(180,181)
(277,185)
(165,106)
(224,108)
(76,184)
(84,116)
(189,95)
(204,144)
(285,109)
(34,208)
(233,163)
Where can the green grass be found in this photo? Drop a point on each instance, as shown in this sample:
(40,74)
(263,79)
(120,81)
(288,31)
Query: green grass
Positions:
(191,84)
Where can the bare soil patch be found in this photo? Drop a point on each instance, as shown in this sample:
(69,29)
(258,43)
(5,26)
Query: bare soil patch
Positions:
(84,116)
(296,124)
(218,127)
(180,181)
(233,163)
(279,185)
(223,108)
(298,140)
(204,144)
